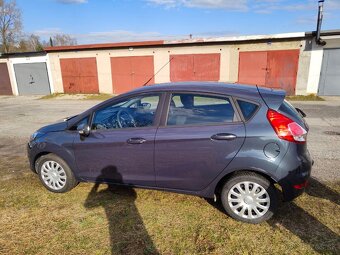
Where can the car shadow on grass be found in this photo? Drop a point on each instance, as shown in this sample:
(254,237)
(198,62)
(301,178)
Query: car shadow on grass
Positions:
(317,189)
(307,227)
(127,231)
(302,223)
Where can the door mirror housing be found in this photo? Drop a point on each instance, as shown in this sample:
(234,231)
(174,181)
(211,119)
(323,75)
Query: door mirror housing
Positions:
(84,130)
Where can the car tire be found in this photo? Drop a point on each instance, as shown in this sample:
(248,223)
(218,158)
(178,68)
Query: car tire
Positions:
(55,174)
(249,197)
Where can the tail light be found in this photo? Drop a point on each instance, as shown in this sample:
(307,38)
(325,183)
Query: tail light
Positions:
(286,128)
(301,185)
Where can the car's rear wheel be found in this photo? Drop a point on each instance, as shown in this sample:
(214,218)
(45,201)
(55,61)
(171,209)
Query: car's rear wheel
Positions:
(249,197)
(55,174)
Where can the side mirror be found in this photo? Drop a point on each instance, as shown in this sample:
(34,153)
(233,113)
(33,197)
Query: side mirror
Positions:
(84,130)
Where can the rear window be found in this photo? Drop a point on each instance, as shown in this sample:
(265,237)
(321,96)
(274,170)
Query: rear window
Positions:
(248,109)
(196,109)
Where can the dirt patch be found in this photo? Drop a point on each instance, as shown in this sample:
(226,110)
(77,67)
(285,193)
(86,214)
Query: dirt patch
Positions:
(13,167)
(332,133)
(13,146)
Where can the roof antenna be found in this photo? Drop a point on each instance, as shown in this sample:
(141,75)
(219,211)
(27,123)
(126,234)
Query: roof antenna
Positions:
(158,71)
(318,26)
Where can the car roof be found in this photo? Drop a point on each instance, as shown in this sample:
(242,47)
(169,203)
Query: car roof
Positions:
(233,89)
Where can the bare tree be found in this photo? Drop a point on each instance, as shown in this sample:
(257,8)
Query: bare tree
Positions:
(63,40)
(35,43)
(29,43)
(10,24)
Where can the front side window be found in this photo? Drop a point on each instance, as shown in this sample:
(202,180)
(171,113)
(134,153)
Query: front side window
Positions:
(131,113)
(194,109)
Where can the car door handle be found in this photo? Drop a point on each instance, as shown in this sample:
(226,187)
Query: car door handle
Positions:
(223,136)
(136,140)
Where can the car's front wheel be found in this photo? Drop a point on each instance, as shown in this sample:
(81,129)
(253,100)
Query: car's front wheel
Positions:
(55,174)
(249,197)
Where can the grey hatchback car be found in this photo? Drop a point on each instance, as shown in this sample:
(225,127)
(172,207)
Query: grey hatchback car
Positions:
(229,142)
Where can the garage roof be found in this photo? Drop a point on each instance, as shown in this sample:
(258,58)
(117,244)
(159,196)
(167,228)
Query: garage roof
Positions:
(214,40)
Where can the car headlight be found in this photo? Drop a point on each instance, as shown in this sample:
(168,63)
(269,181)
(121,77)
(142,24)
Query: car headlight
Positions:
(35,135)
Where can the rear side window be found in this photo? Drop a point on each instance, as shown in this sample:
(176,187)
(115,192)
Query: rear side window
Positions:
(248,109)
(195,109)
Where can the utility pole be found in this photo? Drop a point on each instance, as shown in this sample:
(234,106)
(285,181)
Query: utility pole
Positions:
(318,26)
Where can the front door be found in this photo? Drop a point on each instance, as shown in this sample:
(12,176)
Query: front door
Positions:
(201,136)
(120,147)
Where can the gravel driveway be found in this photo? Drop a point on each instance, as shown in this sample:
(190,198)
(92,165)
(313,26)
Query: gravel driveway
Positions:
(21,116)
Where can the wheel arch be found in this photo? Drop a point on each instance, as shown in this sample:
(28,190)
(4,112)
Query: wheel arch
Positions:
(39,155)
(227,176)
(43,153)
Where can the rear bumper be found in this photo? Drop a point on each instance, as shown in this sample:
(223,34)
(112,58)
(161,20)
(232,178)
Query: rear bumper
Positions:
(295,182)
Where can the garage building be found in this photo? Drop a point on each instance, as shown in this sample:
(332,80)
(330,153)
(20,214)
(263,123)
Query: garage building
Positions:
(270,61)
(292,61)
(29,73)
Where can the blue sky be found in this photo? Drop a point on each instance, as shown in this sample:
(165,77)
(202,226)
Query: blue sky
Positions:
(98,21)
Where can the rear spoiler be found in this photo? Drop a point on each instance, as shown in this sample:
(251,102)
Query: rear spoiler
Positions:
(273,98)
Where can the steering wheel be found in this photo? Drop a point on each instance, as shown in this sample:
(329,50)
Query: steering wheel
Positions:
(123,121)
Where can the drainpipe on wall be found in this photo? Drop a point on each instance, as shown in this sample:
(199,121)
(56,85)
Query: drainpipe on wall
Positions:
(318,26)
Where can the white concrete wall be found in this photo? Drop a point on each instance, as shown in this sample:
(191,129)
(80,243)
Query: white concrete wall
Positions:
(315,69)
(303,68)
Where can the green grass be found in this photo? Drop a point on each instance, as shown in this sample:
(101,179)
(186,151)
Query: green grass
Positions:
(51,96)
(94,219)
(310,97)
(100,97)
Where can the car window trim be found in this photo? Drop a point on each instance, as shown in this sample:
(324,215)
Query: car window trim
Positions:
(166,108)
(77,123)
(155,122)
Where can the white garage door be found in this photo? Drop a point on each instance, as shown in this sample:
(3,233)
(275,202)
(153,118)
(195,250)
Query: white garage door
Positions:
(330,73)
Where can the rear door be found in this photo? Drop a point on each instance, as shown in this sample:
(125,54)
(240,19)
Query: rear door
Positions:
(200,136)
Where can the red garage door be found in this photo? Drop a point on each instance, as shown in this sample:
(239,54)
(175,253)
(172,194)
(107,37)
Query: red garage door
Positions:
(79,75)
(131,72)
(5,83)
(273,69)
(195,67)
